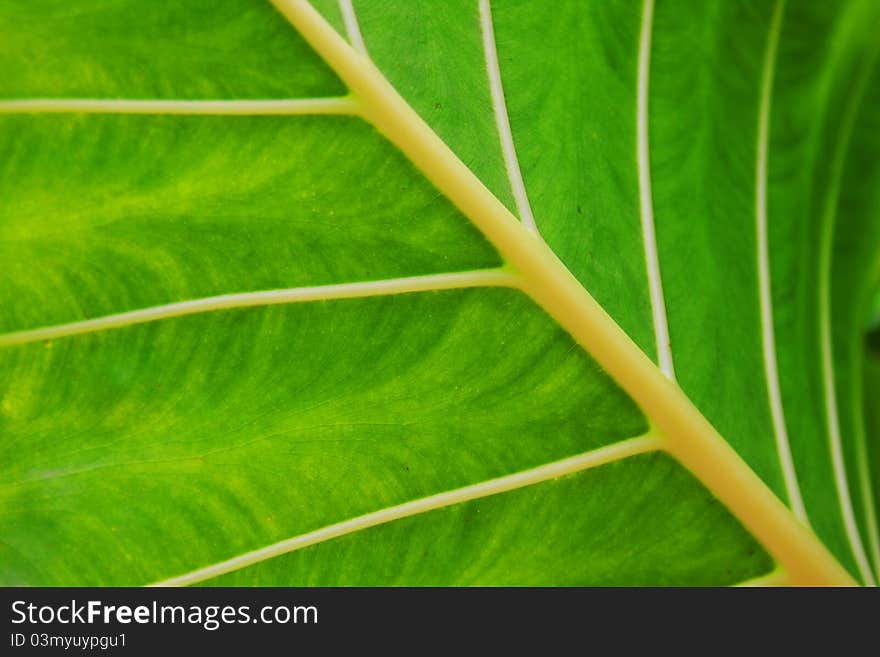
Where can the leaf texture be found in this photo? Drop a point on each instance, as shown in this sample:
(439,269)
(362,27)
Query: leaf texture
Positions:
(265,327)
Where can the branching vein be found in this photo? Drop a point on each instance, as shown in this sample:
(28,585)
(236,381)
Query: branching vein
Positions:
(484,278)
(768,337)
(655,285)
(352,27)
(592,459)
(826,345)
(502,120)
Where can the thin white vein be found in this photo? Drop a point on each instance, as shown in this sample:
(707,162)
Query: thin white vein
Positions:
(591,459)
(832,416)
(768,338)
(484,278)
(658,305)
(352,27)
(837,459)
(866,492)
(339,105)
(502,120)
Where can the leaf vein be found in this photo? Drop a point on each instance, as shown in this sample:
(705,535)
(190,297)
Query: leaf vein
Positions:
(592,459)
(352,27)
(502,119)
(826,348)
(649,236)
(431,282)
(768,338)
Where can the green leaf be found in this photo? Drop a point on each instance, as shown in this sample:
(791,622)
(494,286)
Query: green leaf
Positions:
(269,318)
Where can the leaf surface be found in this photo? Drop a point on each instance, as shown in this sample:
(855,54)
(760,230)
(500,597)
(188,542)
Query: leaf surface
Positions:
(257,341)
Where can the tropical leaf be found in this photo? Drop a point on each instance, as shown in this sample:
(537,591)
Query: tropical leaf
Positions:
(435,292)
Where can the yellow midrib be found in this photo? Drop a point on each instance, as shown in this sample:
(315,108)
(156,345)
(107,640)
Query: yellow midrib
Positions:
(684,432)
